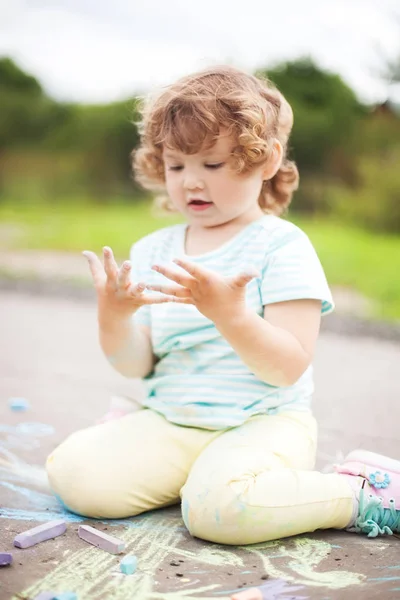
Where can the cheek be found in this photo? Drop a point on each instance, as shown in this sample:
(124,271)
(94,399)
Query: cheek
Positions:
(172,185)
(235,191)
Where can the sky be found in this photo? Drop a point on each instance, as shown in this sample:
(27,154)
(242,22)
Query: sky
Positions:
(97,51)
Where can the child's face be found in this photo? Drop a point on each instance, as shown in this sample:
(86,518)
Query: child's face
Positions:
(205,189)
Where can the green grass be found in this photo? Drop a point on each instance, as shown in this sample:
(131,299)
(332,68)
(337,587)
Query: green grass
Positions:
(366,262)
(78,226)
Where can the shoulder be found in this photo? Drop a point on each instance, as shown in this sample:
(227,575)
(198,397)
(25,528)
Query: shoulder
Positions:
(278,233)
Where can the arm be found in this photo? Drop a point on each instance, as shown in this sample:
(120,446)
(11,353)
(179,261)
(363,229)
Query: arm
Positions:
(126,345)
(279,347)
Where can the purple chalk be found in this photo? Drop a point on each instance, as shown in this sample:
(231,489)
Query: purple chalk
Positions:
(46,596)
(277,589)
(44,532)
(5,559)
(101,540)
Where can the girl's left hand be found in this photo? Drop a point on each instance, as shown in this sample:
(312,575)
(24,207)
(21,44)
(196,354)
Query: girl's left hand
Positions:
(216,297)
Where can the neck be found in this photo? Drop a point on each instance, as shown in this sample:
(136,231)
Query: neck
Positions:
(200,239)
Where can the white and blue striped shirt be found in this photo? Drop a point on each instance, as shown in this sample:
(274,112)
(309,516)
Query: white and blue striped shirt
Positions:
(199,380)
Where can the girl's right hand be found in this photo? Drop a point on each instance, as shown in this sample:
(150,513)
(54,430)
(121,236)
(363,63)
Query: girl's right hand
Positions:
(117,295)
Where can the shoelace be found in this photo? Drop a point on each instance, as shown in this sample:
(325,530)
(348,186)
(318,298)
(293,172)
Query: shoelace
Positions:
(374,519)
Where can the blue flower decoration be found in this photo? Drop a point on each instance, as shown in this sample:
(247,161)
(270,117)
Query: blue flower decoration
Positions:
(379,480)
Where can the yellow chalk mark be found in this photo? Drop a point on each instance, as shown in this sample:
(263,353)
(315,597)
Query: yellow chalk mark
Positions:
(92,578)
(95,576)
(211,556)
(306,554)
(186,595)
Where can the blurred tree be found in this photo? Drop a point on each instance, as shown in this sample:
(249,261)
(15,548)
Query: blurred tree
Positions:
(27,114)
(12,78)
(325,112)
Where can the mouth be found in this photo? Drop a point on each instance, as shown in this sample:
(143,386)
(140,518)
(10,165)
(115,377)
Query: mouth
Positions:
(197,204)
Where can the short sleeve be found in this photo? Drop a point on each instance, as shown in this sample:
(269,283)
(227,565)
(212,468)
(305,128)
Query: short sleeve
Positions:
(137,257)
(293,271)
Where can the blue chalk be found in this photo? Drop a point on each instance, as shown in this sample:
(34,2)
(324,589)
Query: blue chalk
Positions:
(128,565)
(18,404)
(66,596)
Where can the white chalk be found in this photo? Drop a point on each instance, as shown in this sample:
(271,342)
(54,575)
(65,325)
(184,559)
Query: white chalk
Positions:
(101,540)
(46,596)
(128,565)
(44,532)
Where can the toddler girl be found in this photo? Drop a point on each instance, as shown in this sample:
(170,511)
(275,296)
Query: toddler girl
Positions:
(220,317)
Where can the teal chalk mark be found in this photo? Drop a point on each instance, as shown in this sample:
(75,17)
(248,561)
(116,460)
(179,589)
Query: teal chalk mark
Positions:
(35,429)
(384,579)
(25,515)
(30,515)
(39,499)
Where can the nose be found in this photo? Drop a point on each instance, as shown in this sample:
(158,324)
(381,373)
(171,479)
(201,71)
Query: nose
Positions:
(192,180)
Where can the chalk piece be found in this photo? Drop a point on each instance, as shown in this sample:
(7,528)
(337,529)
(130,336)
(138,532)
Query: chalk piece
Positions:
(5,559)
(101,540)
(249,594)
(44,532)
(46,596)
(66,596)
(128,565)
(18,404)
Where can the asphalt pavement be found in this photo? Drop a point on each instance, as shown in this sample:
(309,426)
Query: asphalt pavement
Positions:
(49,355)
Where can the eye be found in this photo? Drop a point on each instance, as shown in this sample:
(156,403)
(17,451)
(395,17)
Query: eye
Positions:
(215,166)
(174,168)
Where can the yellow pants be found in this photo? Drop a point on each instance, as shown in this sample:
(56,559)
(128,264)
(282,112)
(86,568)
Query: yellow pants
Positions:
(243,485)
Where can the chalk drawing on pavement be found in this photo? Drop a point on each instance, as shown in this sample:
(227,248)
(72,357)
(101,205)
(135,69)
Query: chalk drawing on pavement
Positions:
(154,538)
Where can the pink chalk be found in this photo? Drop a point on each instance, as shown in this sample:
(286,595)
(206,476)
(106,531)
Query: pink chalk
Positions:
(5,559)
(276,588)
(41,533)
(101,540)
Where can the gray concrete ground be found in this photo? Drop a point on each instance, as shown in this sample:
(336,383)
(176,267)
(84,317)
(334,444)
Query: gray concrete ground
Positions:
(49,355)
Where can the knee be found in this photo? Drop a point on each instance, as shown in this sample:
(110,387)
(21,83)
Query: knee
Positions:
(217,514)
(244,509)
(80,479)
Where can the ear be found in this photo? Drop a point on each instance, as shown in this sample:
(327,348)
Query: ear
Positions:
(275,161)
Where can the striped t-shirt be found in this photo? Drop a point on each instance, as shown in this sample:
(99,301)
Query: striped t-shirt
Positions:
(199,380)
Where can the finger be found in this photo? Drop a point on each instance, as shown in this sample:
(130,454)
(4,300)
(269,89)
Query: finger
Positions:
(163,299)
(137,289)
(181,278)
(244,278)
(110,266)
(196,271)
(171,290)
(124,275)
(95,266)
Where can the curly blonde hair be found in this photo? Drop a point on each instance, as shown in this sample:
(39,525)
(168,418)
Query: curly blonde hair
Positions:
(188,115)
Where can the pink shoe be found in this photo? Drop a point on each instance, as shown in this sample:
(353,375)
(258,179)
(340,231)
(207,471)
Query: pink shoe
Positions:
(375,480)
